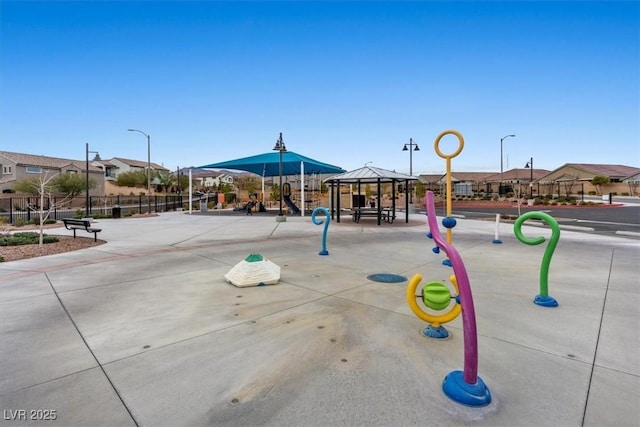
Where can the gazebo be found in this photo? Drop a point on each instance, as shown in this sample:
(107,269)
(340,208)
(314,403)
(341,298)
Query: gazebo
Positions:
(370,175)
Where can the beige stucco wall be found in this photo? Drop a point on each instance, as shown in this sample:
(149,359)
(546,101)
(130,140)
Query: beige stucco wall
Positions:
(111,189)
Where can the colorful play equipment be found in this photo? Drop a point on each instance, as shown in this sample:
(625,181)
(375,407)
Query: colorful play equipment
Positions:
(326,222)
(436,297)
(450,221)
(254,270)
(496,234)
(464,387)
(543,298)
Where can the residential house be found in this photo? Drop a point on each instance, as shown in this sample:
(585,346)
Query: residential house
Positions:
(110,169)
(574,178)
(570,178)
(464,183)
(205,179)
(521,181)
(19,166)
(117,165)
(633,182)
(212,179)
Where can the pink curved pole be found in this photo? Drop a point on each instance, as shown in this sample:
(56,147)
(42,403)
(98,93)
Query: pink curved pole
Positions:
(470,374)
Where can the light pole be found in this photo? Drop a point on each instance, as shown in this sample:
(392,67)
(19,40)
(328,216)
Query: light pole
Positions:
(281,148)
(87,202)
(529,166)
(501,159)
(148,167)
(410,148)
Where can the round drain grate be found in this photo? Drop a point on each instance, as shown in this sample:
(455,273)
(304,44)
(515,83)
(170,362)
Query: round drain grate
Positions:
(386,278)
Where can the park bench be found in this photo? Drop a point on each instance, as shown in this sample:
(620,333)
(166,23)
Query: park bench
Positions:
(81,224)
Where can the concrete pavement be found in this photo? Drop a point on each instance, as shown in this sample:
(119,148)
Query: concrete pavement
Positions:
(144,330)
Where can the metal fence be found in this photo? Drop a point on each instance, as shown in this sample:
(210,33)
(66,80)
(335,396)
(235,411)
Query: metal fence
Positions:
(27,209)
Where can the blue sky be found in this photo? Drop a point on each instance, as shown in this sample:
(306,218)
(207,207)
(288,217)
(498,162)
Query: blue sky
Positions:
(345,82)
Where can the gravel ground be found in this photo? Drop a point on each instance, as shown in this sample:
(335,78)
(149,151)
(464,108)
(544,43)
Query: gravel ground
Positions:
(65,244)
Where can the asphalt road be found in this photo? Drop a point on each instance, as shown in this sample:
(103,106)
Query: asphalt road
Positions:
(606,220)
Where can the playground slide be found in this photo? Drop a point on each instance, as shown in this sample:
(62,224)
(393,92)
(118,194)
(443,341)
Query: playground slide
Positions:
(292,206)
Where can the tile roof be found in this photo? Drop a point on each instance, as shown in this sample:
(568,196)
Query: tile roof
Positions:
(518,173)
(139,164)
(44,161)
(470,176)
(611,171)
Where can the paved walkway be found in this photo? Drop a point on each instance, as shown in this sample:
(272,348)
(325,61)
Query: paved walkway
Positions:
(144,330)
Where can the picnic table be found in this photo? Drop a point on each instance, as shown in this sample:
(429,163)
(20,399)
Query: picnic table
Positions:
(383,214)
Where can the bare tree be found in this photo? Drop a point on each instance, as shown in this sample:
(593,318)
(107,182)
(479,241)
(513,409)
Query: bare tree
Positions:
(105,200)
(44,187)
(517,193)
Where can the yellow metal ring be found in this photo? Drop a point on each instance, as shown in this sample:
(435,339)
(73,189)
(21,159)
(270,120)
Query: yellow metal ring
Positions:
(418,311)
(436,145)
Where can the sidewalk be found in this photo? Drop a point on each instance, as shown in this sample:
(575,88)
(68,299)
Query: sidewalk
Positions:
(144,330)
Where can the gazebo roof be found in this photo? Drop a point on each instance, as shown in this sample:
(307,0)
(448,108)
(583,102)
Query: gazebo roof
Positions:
(370,174)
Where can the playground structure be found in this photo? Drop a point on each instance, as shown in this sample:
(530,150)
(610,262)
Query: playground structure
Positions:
(254,270)
(464,387)
(543,297)
(286,197)
(326,222)
(449,222)
(436,295)
(440,305)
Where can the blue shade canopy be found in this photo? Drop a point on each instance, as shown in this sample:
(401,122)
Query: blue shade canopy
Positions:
(268,164)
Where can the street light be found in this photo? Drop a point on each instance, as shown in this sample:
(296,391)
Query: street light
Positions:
(87,202)
(281,148)
(529,165)
(148,167)
(410,149)
(501,158)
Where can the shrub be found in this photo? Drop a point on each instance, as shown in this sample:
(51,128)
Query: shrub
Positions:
(26,238)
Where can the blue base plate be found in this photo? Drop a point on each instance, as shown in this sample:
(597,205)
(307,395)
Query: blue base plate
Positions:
(545,301)
(457,389)
(438,332)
